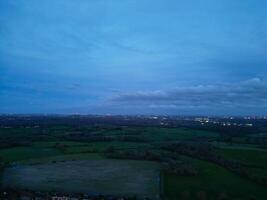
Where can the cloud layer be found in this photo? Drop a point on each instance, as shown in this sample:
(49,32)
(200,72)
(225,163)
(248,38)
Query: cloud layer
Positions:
(250,93)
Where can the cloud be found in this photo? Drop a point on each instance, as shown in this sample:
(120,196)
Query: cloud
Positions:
(250,93)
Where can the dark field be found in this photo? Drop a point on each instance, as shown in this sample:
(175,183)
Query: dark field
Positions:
(170,162)
(101,176)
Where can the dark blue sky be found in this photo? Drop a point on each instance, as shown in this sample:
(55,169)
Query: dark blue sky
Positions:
(133,56)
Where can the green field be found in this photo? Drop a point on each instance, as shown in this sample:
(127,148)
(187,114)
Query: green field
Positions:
(171,134)
(249,156)
(212,182)
(103,146)
(48,150)
(254,159)
(17,154)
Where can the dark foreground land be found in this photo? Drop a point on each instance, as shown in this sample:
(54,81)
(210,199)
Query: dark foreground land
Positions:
(123,157)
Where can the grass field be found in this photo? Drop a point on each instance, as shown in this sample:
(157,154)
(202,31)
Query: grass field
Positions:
(17,154)
(255,159)
(212,182)
(103,146)
(244,146)
(171,134)
(61,158)
(47,149)
(47,153)
(249,156)
(88,176)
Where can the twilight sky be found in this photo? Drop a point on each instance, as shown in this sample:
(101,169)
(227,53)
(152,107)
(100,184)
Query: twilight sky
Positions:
(176,57)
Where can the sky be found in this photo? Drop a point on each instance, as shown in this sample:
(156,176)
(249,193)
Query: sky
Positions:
(174,57)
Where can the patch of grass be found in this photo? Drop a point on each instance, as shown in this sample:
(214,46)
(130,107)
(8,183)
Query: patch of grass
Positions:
(235,146)
(23,153)
(52,144)
(170,134)
(63,158)
(102,146)
(249,156)
(213,181)
(260,135)
(48,149)
(256,159)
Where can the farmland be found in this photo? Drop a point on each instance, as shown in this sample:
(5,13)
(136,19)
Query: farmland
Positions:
(88,176)
(157,162)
